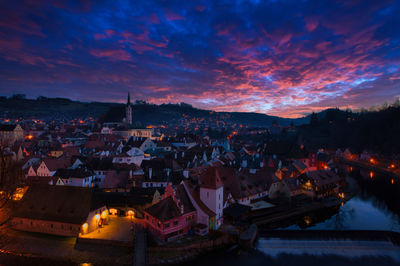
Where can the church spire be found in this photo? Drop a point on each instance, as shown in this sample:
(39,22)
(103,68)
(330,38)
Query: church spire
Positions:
(128,110)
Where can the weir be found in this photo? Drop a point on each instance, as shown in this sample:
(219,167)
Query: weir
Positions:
(330,242)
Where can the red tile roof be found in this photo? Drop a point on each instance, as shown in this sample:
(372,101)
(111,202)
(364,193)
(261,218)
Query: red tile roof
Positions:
(211,178)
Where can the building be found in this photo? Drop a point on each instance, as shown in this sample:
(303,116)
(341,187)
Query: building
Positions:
(11,133)
(320,183)
(132,156)
(129,130)
(141,143)
(59,210)
(128,111)
(48,167)
(78,177)
(212,193)
(173,216)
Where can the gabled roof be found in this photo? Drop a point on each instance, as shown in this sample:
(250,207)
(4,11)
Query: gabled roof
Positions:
(54,164)
(211,178)
(57,203)
(164,210)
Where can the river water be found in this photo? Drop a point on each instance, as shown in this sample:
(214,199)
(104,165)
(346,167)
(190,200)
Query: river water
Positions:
(370,204)
(364,210)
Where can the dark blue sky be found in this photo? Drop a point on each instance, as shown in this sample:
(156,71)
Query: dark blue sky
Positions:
(282,58)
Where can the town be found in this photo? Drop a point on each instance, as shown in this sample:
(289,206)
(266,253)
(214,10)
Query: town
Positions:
(122,185)
(205,132)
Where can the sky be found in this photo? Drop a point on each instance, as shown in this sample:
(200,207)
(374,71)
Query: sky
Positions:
(284,58)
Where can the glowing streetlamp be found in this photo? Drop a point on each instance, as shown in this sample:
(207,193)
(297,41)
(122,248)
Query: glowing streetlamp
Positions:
(84,228)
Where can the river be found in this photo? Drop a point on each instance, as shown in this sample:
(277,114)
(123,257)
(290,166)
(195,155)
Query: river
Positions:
(371,203)
(364,209)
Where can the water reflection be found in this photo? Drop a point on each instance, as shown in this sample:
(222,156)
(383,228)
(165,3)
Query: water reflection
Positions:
(372,205)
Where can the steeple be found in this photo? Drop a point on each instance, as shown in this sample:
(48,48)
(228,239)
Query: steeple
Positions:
(128,110)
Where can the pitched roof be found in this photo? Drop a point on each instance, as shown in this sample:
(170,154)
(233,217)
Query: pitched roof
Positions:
(180,193)
(54,164)
(116,179)
(164,210)
(299,165)
(57,203)
(323,177)
(7,127)
(211,178)
(77,173)
(195,193)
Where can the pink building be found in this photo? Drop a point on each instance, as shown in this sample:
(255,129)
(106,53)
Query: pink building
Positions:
(173,216)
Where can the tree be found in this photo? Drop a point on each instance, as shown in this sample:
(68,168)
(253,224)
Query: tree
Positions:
(314,120)
(11,177)
(18,97)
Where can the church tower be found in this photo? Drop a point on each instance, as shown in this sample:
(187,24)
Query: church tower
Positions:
(128,110)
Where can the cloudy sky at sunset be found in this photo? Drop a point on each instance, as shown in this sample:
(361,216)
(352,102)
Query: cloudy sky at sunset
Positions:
(285,58)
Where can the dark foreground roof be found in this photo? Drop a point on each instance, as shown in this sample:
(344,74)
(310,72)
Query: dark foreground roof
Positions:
(164,210)
(57,203)
(236,210)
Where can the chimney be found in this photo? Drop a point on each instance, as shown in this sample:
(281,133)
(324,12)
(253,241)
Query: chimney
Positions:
(150,173)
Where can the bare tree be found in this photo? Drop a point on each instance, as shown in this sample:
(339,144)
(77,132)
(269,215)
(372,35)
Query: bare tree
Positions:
(11,177)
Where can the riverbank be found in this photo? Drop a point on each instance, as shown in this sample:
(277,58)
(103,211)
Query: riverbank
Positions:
(34,247)
(188,250)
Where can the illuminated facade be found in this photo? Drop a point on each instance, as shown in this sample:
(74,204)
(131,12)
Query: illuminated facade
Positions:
(59,210)
(11,133)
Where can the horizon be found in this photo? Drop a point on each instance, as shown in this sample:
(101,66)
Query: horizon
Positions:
(134,101)
(226,57)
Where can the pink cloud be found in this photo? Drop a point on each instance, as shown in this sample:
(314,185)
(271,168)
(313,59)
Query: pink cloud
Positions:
(154,18)
(170,16)
(311,24)
(113,54)
(200,8)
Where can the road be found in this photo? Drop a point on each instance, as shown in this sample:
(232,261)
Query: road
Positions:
(140,249)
